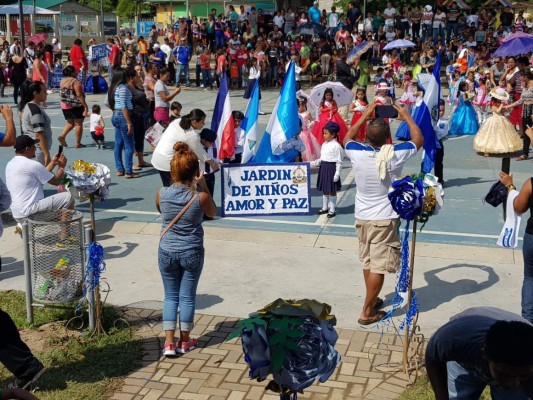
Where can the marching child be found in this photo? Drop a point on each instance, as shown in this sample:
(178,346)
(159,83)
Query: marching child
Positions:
(358,106)
(497,135)
(328,112)
(312,148)
(329,172)
(234,74)
(408,97)
(238,116)
(464,119)
(96,127)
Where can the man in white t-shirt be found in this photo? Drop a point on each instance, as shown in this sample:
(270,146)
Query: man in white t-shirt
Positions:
(377,165)
(25,178)
(389,13)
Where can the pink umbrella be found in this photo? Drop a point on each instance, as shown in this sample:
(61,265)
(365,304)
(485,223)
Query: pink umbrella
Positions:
(38,38)
(517,35)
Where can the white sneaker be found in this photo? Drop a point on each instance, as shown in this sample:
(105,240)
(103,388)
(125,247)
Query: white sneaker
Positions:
(49,91)
(202,85)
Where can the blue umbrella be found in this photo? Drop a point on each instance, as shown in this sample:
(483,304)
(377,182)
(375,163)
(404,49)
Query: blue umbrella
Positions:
(358,51)
(399,44)
(311,29)
(515,47)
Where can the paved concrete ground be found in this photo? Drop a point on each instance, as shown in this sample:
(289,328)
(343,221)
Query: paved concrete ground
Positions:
(217,370)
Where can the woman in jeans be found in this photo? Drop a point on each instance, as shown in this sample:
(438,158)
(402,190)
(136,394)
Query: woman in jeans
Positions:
(521,204)
(73,104)
(119,101)
(181,248)
(139,116)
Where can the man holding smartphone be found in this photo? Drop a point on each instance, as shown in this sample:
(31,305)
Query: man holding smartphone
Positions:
(25,178)
(377,165)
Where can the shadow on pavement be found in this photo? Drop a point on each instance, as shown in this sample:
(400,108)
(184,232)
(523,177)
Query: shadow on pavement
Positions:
(439,291)
(11,268)
(204,301)
(466,181)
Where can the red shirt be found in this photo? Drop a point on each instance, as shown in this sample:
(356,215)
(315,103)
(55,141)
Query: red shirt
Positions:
(78,58)
(205,61)
(242,57)
(114,55)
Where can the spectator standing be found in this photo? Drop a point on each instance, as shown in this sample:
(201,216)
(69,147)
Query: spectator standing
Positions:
(390,14)
(18,66)
(415,19)
(427,22)
(507,18)
(377,223)
(279,20)
(333,22)
(143,50)
(15,49)
(314,13)
(182,56)
(57,50)
(439,23)
(35,122)
(77,56)
(205,67)
(452,25)
(181,248)
(353,16)
(159,56)
(163,97)
(290,21)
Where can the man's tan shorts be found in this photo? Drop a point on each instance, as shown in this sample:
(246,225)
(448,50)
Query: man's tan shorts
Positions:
(379,245)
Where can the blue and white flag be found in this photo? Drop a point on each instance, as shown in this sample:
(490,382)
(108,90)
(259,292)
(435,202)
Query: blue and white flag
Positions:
(284,124)
(428,116)
(249,125)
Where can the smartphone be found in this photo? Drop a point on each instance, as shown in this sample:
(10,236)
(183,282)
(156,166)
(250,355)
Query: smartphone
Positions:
(386,112)
(60,151)
(506,165)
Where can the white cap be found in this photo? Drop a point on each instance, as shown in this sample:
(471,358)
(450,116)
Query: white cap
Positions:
(315,2)
(428,8)
(54,40)
(156,46)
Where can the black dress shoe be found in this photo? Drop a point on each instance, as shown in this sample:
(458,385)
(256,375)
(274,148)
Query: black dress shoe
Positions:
(322,212)
(331,214)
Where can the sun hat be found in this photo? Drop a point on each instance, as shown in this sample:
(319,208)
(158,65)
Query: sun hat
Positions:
(500,94)
(382,86)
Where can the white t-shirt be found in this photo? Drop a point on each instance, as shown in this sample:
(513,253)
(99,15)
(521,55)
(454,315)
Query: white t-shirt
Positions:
(389,12)
(160,87)
(333,20)
(25,179)
(371,199)
(279,21)
(94,121)
(164,151)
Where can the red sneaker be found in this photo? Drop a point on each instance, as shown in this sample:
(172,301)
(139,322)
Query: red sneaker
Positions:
(169,350)
(185,347)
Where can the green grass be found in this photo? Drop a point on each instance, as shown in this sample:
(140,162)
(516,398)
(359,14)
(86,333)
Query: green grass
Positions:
(421,390)
(79,366)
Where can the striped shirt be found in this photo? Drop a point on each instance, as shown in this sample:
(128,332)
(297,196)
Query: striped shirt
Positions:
(123,98)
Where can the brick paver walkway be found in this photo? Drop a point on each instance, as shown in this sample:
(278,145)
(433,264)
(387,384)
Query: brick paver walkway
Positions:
(217,371)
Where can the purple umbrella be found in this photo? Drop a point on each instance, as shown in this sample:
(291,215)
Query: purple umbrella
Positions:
(515,47)
(358,51)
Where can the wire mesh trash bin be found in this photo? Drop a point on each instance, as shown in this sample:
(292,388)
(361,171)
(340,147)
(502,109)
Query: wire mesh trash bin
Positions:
(56,253)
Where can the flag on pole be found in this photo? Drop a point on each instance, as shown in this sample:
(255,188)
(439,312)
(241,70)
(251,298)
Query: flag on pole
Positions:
(462,4)
(506,3)
(284,124)
(249,125)
(222,122)
(428,117)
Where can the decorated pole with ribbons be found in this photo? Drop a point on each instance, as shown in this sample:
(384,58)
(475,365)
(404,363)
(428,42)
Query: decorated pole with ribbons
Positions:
(414,198)
(91,181)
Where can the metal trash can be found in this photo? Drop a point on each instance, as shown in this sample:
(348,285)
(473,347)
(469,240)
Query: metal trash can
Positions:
(56,252)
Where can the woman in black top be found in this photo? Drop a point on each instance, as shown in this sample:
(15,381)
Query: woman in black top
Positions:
(141,112)
(18,66)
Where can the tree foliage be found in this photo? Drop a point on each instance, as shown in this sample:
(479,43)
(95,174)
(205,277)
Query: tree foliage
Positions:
(126,8)
(108,5)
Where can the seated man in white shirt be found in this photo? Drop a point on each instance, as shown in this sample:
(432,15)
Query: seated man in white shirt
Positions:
(377,165)
(25,178)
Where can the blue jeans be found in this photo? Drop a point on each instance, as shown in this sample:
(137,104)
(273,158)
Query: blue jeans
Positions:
(462,385)
(185,69)
(180,272)
(436,33)
(527,286)
(451,27)
(427,30)
(123,141)
(207,78)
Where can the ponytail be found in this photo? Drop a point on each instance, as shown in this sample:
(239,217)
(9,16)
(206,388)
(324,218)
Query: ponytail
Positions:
(195,115)
(27,92)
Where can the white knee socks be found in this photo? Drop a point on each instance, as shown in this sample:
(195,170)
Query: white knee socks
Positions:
(325,202)
(332,203)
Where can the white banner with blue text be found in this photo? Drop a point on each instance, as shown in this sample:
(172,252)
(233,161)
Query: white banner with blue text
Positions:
(265,189)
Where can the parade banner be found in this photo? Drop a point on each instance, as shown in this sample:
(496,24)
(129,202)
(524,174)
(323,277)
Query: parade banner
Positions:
(265,189)
(98,51)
